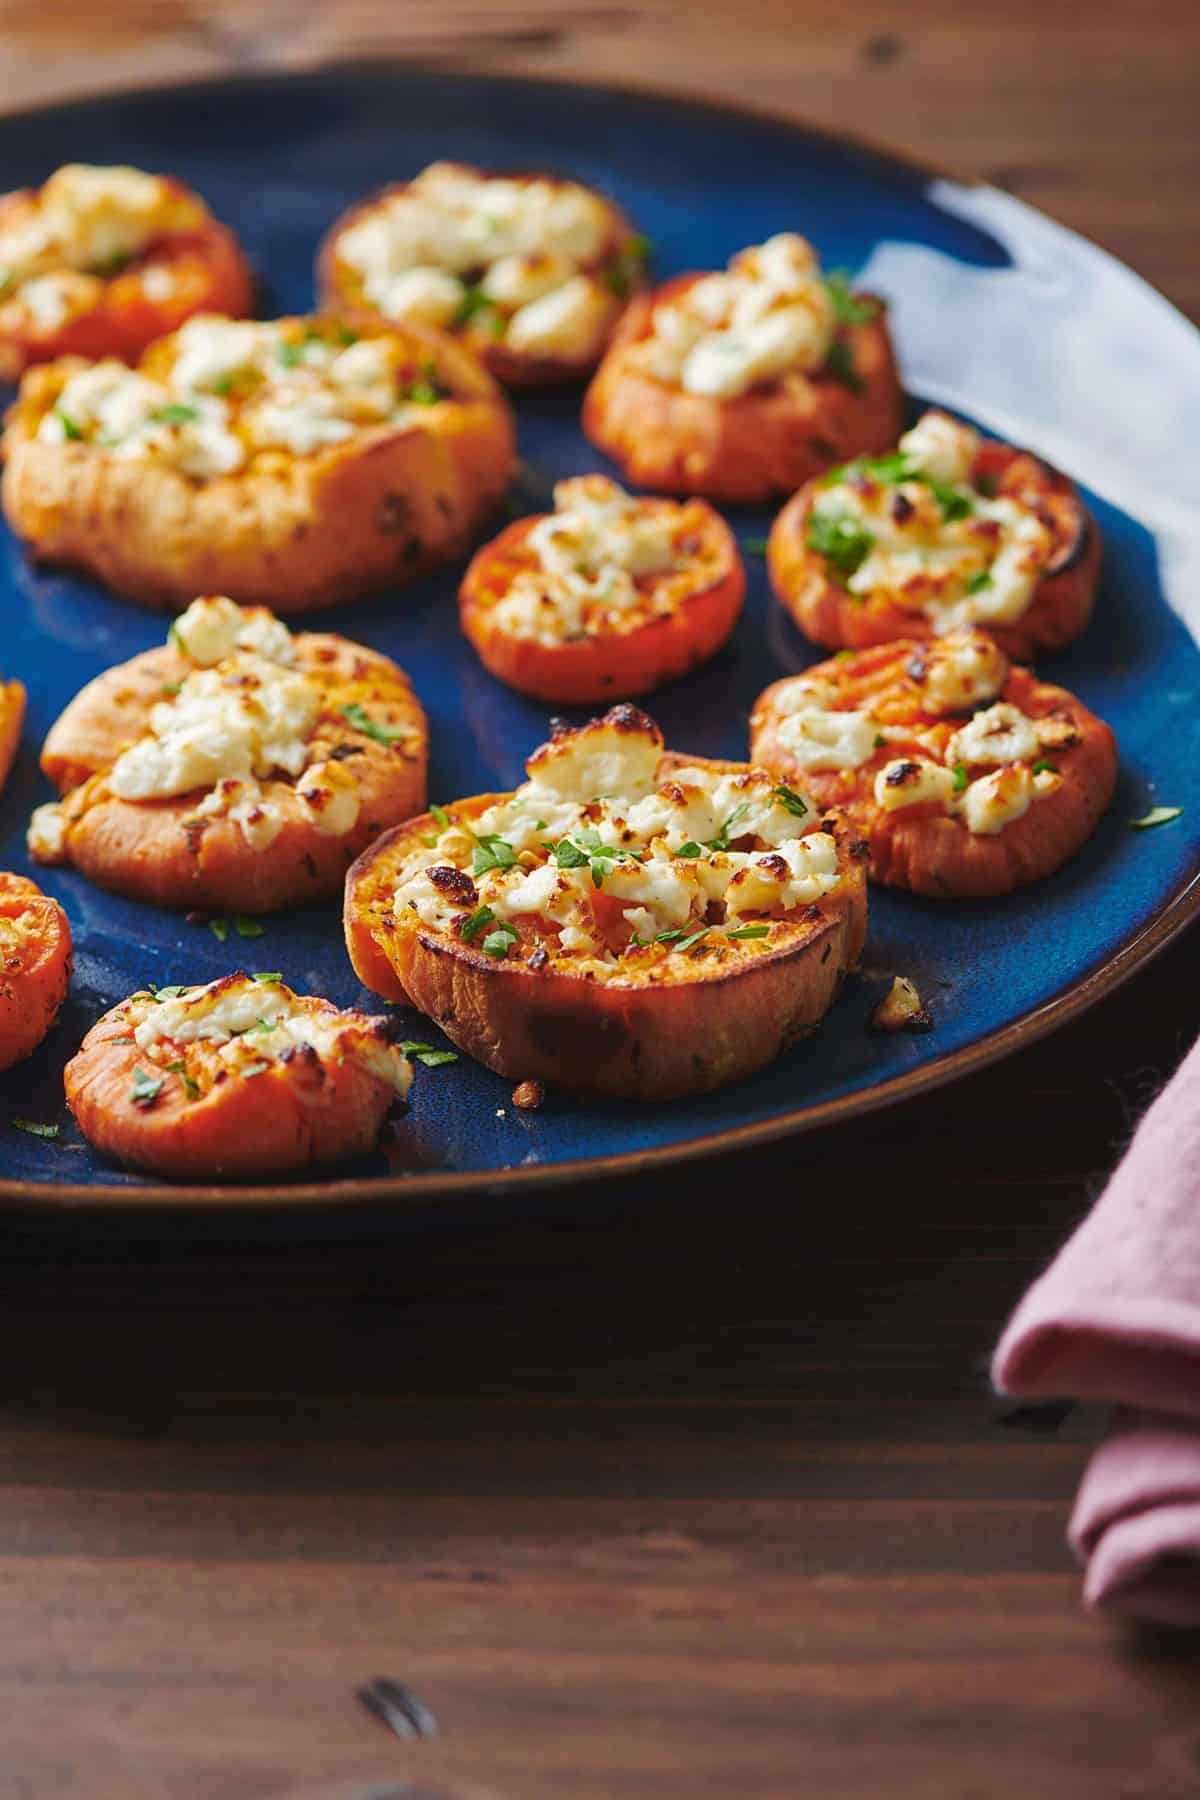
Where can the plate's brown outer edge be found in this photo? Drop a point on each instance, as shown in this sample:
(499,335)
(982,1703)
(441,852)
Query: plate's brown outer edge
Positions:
(366,1192)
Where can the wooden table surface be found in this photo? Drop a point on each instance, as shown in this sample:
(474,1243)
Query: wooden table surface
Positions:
(682,1490)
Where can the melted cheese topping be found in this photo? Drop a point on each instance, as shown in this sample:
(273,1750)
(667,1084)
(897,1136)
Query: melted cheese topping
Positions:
(80,228)
(243,714)
(956,672)
(518,258)
(235,388)
(246,1026)
(600,556)
(915,531)
(769,314)
(599,859)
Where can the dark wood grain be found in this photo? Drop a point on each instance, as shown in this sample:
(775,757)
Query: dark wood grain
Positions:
(685,1491)
(653,1492)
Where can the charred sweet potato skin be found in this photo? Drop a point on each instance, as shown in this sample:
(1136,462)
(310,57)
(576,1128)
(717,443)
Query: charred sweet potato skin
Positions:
(149,851)
(765,442)
(806,585)
(513,368)
(703,1023)
(289,532)
(35,966)
(309,1110)
(599,668)
(209,274)
(921,848)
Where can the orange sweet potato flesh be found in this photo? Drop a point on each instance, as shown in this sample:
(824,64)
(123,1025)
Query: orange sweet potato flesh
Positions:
(292,1114)
(146,850)
(35,966)
(12,717)
(705,1021)
(921,847)
(289,532)
(763,443)
(610,663)
(338,286)
(208,274)
(805,584)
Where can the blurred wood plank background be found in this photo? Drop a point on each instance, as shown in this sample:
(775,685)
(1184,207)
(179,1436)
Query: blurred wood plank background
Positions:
(1090,113)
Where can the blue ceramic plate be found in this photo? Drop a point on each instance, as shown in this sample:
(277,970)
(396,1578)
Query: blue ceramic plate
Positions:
(998,313)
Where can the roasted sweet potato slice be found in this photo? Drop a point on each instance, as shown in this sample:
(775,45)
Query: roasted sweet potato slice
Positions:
(35,966)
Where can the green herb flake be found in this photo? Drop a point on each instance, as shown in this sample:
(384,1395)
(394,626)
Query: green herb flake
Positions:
(173,992)
(849,308)
(981,579)
(356,716)
(791,802)
(175,636)
(267,976)
(289,355)
(145,1089)
(491,852)
(470,928)
(880,740)
(34,1128)
(681,940)
(426,1054)
(986,485)
(254,1068)
(498,943)
(71,430)
(1043,766)
(247,928)
(690,850)
(112,265)
(1158,815)
(476,307)
(749,931)
(568,855)
(621,275)
(177,413)
(839,364)
(172,689)
(840,539)
(442,817)
(721,841)
(219,929)
(191,1088)
(960,777)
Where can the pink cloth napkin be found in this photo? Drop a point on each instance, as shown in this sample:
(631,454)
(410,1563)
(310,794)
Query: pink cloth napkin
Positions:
(1116,1317)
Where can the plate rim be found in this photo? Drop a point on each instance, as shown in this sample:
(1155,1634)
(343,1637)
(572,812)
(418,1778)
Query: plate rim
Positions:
(359,1193)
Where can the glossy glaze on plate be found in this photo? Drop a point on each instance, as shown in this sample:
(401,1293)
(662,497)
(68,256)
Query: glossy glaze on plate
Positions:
(1036,335)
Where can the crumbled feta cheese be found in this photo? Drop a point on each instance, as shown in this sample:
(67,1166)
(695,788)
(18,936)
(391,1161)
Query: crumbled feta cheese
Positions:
(214,627)
(912,782)
(46,838)
(816,739)
(1000,734)
(995,800)
(939,446)
(567,321)
(962,669)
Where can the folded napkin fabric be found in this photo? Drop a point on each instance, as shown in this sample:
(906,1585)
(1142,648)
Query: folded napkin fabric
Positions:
(1116,1318)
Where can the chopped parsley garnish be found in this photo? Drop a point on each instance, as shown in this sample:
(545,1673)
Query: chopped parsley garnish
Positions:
(1043,766)
(568,855)
(981,579)
(426,1054)
(35,1129)
(175,636)
(7,280)
(172,689)
(690,850)
(791,801)
(960,777)
(471,927)
(491,852)
(290,354)
(986,485)
(840,364)
(721,841)
(70,428)
(621,274)
(177,413)
(146,1088)
(169,993)
(219,929)
(586,847)
(442,816)
(750,931)
(254,1068)
(1158,815)
(848,307)
(898,466)
(191,1088)
(498,943)
(754,546)
(475,305)
(267,976)
(840,539)
(247,928)
(355,715)
(112,265)
(679,939)
(880,740)
(954,502)
(428,390)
